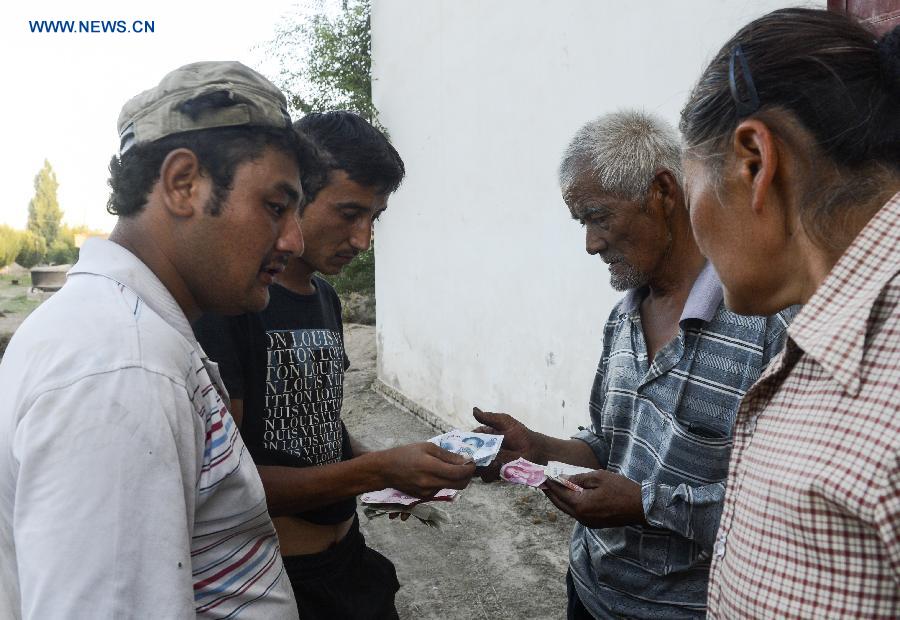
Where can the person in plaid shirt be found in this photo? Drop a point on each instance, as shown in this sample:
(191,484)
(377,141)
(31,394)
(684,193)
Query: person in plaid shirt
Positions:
(792,161)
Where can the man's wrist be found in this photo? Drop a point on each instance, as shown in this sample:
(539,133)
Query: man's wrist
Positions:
(541,451)
(638,509)
(374,467)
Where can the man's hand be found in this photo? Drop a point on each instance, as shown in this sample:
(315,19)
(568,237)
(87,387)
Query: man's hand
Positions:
(518,441)
(608,500)
(423,469)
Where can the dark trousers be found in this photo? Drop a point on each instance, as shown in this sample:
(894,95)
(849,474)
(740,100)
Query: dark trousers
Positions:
(348,581)
(576,609)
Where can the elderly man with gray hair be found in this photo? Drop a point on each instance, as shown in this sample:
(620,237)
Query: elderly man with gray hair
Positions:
(674,367)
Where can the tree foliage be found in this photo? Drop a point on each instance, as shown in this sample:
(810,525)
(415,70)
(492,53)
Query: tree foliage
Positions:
(63,251)
(44,214)
(10,244)
(358,276)
(325,59)
(32,251)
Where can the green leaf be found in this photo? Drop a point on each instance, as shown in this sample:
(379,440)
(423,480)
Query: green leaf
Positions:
(326,60)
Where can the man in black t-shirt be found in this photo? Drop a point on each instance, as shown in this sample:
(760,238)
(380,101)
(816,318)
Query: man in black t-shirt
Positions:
(284,369)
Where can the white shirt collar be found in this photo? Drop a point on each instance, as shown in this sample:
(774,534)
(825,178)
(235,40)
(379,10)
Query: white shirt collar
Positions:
(108,259)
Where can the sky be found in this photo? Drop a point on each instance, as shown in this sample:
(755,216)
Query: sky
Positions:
(62,92)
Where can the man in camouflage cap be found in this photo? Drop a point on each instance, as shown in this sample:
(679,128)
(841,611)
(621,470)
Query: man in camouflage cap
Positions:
(125,490)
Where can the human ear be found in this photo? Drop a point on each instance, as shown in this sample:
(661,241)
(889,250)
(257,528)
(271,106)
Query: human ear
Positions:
(755,160)
(665,187)
(182,183)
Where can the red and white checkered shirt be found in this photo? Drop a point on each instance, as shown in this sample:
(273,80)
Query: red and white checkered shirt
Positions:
(811,524)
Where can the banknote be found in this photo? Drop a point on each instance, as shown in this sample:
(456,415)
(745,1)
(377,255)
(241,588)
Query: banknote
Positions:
(564,480)
(428,514)
(564,469)
(481,447)
(560,472)
(524,472)
(393,496)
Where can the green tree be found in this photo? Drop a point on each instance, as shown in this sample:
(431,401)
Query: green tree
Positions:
(358,276)
(10,244)
(63,251)
(44,214)
(325,59)
(32,251)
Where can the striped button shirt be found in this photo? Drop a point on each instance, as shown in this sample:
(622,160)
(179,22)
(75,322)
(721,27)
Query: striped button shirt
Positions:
(667,425)
(811,523)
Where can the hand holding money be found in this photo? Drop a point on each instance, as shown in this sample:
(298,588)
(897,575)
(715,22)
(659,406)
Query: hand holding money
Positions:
(428,514)
(607,499)
(422,469)
(518,441)
(531,474)
(448,460)
(481,447)
(393,497)
(561,473)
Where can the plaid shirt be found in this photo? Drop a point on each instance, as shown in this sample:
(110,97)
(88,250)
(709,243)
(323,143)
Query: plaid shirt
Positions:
(811,524)
(667,425)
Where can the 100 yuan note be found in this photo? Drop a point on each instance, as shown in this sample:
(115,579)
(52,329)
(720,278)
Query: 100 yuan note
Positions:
(524,472)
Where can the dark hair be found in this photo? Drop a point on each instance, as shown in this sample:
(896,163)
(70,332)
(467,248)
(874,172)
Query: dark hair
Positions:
(220,151)
(830,72)
(353,145)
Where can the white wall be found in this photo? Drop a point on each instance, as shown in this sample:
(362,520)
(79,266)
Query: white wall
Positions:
(485,293)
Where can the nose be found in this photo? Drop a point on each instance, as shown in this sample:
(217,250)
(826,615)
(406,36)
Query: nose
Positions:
(595,243)
(361,237)
(290,237)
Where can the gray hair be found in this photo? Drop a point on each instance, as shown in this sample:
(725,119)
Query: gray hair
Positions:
(624,151)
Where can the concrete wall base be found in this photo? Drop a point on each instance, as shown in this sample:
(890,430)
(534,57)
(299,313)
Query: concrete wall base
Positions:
(402,401)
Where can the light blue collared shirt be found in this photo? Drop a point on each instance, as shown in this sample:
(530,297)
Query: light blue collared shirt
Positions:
(667,425)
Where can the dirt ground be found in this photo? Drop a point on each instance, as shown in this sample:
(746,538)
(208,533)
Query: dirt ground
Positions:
(505,552)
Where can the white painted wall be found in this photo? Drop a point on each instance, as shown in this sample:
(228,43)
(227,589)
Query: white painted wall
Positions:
(485,293)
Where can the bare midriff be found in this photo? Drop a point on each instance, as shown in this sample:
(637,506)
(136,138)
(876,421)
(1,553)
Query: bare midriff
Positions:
(297,536)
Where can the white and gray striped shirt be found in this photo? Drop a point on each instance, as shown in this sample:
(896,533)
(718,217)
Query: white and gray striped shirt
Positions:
(667,425)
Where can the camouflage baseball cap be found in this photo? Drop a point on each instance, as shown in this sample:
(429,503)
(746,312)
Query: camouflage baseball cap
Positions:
(202,95)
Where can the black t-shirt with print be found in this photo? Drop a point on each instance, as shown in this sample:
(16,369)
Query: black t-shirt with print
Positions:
(287,364)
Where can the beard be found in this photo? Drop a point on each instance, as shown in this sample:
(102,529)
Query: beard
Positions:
(626,276)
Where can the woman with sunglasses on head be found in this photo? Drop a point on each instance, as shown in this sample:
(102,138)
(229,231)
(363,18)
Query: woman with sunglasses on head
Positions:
(792,160)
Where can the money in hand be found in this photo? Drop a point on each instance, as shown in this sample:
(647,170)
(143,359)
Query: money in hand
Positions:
(563,480)
(398,498)
(481,447)
(524,472)
(560,472)
(557,468)
(428,514)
